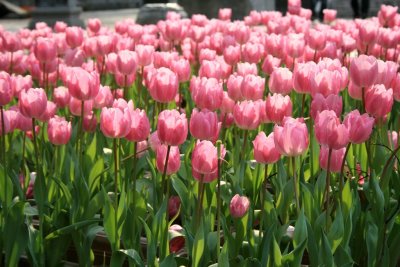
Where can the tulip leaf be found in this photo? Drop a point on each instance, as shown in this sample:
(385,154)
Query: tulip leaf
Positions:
(276,252)
(168,261)
(300,232)
(198,246)
(335,235)
(134,255)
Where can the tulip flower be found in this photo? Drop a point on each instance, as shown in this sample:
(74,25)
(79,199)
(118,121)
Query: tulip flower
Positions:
(239,206)
(59,131)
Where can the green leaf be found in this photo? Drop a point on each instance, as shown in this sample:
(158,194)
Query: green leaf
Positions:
(198,246)
(276,251)
(151,244)
(134,255)
(371,237)
(70,228)
(96,171)
(347,199)
(109,219)
(325,252)
(182,191)
(295,256)
(300,231)
(336,231)
(168,261)
(91,149)
(6,187)
(343,257)
(223,259)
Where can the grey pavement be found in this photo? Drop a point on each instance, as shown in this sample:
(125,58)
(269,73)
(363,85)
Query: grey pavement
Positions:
(108,18)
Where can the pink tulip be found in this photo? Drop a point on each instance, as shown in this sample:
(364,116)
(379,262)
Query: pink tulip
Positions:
(140,126)
(82,85)
(51,109)
(303,75)
(61,96)
(329,15)
(207,93)
(329,131)
(291,139)
(359,126)
(75,106)
(154,141)
(163,85)
(210,69)
(234,85)
(245,68)
(11,41)
(204,157)
(74,36)
(204,124)
(60,26)
(396,87)
(265,150)
(174,160)
(6,92)
(45,49)
(295,45)
(252,53)
(281,81)
(115,122)
(368,32)
(19,83)
(316,39)
(270,63)
(239,206)
(172,127)
(386,14)
(74,57)
(378,101)
(337,157)
(247,115)
(104,98)
(182,68)
(326,83)
(278,107)
(90,122)
(232,54)
(252,87)
(94,24)
(105,45)
(59,131)
(320,103)
(224,13)
(227,104)
(32,102)
(144,54)
(126,62)
(174,204)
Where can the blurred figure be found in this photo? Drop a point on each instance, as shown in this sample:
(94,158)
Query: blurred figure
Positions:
(318,7)
(357,10)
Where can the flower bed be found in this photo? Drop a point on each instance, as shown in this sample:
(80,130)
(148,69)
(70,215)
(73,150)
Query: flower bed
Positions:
(270,141)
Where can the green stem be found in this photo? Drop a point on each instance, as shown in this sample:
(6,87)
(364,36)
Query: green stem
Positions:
(327,186)
(219,199)
(40,182)
(131,200)
(125,86)
(242,157)
(115,148)
(303,100)
(263,188)
(165,169)
(200,202)
(4,159)
(11,63)
(311,148)
(296,186)
(341,182)
(363,99)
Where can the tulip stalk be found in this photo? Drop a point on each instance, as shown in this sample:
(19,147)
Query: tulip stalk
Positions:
(219,198)
(296,185)
(328,182)
(11,63)
(116,165)
(341,182)
(166,191)
(262,198)
(4,158)
(200,202)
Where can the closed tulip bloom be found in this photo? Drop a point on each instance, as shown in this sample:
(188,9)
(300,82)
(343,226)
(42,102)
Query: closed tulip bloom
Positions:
(281,81)
(234,85)
(295,45)
(6,92)
(204,124)
(329,131)
(144,54)
(224,13)
(368,32)
(270,63)
(89,122)
(115,122)
(140,126)
(11,41)
(227,103)
(19,83)
(378,101)
(232,54)
(209,177)
(182,68)
(82,85)
(316,39)
(75,107)
(359,126)
(265,151)
(396,87)
(291,139)
(205,157)
(51,109)
(253,87)
(386,14)
(252,52)
(163,85)
(61,96)
(210,69)
(172,127)
(59,131)
(94,24)
(247,115)
(105,44)
(45,49)
(278,107)
(303,75)
(337,156)
(326,82)
(320,103)
(126,62)
(174,159)
(245,68)
(329,15)
(104,98)
(239,206)
(32,102)
(363,71)
(208,93)
(154,141)
(74,36)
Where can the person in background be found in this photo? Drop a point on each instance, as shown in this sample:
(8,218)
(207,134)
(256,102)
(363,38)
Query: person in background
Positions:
(318,7)
(360,12)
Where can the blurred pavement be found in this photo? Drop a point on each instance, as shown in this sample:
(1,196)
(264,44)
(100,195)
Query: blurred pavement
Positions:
(107,17)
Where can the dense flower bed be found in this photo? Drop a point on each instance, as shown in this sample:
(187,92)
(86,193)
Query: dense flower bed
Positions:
(270,141)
